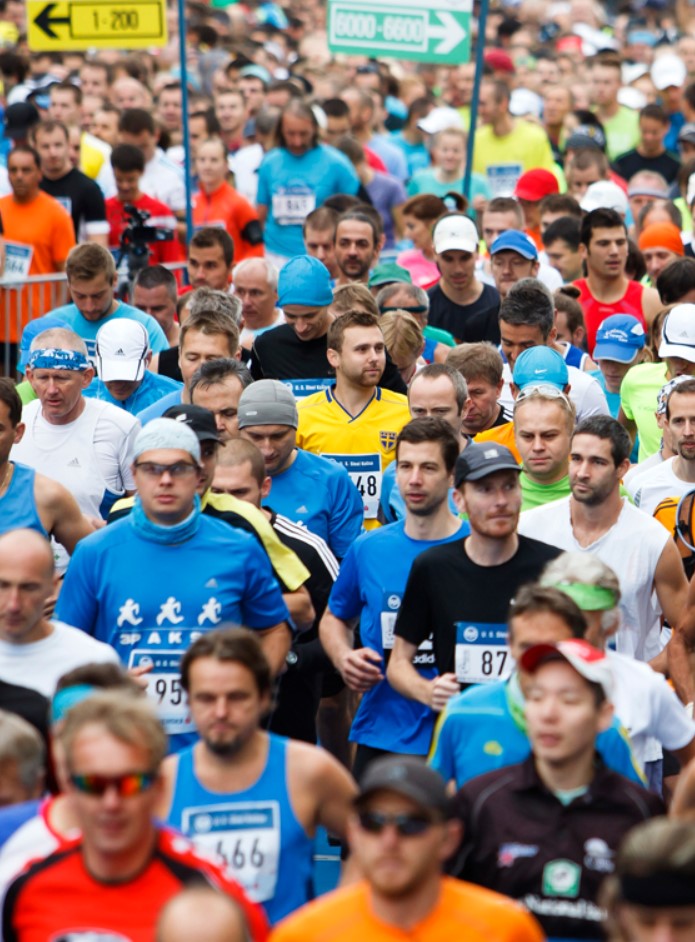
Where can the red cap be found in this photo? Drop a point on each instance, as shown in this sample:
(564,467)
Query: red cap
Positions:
(535,184)
(499,60)
(593,665)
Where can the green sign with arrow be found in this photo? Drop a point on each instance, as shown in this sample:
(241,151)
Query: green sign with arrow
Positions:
(438,31)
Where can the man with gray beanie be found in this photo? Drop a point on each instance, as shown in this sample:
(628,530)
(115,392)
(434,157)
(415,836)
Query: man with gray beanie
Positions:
(307,488)
(125,586)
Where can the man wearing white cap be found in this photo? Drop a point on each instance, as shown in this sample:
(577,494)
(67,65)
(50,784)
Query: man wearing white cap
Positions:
(605,194)
(123,355)
(459,302)
(545,831)
(126,586)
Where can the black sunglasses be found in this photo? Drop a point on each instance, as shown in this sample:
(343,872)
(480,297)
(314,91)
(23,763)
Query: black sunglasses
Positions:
(406,825)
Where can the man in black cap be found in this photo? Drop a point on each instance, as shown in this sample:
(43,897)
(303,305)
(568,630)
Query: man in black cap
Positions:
(20,119)
(400,834)
(459,593)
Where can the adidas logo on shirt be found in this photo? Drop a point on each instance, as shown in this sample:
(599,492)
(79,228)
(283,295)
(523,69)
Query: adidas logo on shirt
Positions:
(75,463)
(302,510)
(211,584)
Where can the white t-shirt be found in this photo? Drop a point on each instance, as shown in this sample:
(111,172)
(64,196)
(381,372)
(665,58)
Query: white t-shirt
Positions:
(648,708)
(162,180)
(41,664)
(585,393)
(648,489)
(636,470)
(244,165)
(632,548)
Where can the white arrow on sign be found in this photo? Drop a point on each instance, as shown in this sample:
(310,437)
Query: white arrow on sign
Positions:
(451,33)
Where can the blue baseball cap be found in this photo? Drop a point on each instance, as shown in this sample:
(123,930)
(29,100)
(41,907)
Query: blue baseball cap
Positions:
(540,366)
(619,337)
(514,241)
(305,280)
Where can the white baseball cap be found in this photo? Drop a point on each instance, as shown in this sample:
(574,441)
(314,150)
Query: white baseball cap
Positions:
(440,119)
(122,346)
(678,333)
(604,194)
(668,71)
(455,231)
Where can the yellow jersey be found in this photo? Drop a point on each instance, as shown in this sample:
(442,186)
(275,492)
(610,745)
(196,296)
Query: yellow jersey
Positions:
(365,444)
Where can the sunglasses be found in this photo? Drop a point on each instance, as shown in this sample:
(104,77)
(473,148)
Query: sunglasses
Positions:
(406,825)
(543,391)
(179,470)
(127,785)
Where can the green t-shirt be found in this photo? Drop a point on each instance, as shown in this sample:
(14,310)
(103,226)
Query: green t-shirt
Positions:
(26,393)
(535,495)
(638,395)
(425,181)
(502,160)
(622,132)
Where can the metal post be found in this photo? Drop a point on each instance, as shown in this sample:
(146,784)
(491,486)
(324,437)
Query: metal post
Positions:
(184,112)
(479,53)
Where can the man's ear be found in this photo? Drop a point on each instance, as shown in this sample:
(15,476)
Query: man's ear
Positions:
(333,358)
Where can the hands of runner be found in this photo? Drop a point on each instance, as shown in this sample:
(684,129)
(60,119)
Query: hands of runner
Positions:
(361,669)
(442,689)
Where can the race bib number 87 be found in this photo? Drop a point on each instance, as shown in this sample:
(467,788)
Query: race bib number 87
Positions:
(482,655)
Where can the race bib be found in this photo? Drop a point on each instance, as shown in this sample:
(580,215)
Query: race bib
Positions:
(17,261)
(292,204)
(246,836)
(164,688)
(307,387)
(365,473)
(503,178)
(482,655)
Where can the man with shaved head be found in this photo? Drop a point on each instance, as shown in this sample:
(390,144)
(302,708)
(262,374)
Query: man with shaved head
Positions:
(32,647)
(204,914)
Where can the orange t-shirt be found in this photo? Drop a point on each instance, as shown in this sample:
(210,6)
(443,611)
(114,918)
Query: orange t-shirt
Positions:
(45,227)
(228,210)
(503,435)
(463,911)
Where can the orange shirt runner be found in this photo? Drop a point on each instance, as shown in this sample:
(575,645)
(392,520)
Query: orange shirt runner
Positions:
(38,237)
(224,207)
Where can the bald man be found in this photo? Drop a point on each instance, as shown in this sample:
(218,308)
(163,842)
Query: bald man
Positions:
(31,646)
(202,914)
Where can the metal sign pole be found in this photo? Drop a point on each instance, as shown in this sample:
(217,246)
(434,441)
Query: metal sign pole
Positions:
(479,62)
(184,113)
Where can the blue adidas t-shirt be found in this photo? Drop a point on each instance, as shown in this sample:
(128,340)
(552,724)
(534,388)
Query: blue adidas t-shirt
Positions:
(150,390)
(370,585)
(150,600)
(157,409)
(88,330)
(293,186)
(320,495)
(477,733)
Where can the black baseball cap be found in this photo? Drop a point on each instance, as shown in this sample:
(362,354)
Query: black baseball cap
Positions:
(479,459)
(200,420)
(20,118)
(408,777)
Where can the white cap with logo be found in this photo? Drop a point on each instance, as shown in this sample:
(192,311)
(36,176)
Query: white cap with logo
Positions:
(122,346)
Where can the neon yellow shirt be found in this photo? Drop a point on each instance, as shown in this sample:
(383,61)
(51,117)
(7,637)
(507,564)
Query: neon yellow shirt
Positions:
(503,159)
(364,444)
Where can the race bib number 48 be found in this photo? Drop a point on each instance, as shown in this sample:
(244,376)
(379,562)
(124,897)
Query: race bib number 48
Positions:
(482,655)
(365,473)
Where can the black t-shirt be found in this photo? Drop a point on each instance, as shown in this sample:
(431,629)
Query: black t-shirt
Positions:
(169,363)
(280,354)
(667,164)
(469,323)
(81,197)
(448,593)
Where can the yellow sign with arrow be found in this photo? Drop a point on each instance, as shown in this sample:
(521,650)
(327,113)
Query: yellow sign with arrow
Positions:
(96,24)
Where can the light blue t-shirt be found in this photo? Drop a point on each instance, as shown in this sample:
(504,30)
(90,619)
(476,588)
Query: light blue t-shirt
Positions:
(370,585)
(613,400)
(150,390)
(319,494)
(293,186)
(416,155)
(88,330)
(425,181)
(150,600)
(160,406)
(478,733)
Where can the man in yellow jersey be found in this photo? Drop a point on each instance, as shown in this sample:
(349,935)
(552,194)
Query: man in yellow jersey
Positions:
(355,422)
